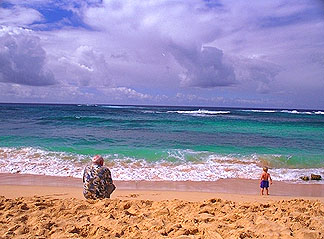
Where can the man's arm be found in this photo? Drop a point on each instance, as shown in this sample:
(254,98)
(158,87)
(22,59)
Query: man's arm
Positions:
(84,175)
(106,175)
(109,181)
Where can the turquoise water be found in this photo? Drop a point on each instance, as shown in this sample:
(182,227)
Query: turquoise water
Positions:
(157,137)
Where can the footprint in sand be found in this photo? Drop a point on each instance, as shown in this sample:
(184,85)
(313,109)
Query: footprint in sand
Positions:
(134,195)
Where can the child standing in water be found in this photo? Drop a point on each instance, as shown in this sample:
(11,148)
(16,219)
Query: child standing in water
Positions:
(264,181)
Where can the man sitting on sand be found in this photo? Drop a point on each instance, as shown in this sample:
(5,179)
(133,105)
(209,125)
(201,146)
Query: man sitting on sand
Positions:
(97,181)
(264,181)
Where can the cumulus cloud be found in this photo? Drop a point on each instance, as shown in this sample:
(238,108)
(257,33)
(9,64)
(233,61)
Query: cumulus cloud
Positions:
(119,93)
(19,16)
(118,49)
(206,68)
(22,59)
(48,94)
(157,33)
(83,67)
(256,73)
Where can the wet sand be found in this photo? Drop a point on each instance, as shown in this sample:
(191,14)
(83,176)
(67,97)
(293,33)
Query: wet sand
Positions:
(239,187)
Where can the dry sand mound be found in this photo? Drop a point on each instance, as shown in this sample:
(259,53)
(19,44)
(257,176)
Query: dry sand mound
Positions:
(46,217)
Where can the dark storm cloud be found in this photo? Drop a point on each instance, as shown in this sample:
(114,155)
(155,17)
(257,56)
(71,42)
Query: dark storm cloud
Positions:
(22,59)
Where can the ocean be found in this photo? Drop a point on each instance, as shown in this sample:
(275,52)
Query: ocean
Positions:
(158,143)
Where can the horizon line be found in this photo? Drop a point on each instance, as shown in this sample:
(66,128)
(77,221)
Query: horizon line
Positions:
(150,105)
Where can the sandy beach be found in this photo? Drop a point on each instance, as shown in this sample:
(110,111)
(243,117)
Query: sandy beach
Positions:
(53,207)
(188,107)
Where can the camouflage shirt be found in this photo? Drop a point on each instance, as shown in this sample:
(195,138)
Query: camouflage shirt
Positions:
(97,182)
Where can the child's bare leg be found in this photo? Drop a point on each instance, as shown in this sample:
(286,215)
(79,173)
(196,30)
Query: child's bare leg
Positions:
(267,191)
(262,189)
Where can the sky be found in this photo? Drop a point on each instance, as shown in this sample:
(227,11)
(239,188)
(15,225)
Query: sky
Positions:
(231,53)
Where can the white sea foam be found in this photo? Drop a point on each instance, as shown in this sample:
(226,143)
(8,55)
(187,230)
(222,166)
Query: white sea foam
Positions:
(296,112)
(152,112)
(261,111)
(319,113)
(284,111)
(207,168)
(290,111)
(36,161)
(199,112)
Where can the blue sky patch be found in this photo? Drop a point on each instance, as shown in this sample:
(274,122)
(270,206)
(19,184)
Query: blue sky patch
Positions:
(6,5)
(57,18)
(55,15)
(305,16)
(213,3)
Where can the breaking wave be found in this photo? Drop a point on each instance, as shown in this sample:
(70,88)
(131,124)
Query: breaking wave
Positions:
(175,167)
(286,111)
(199,112)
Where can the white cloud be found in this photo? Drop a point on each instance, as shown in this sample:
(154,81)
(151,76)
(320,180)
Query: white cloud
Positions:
(19,16)
(256,74)
(164,47)
(206,68)
(120,93)
(22,58)
(83,67)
